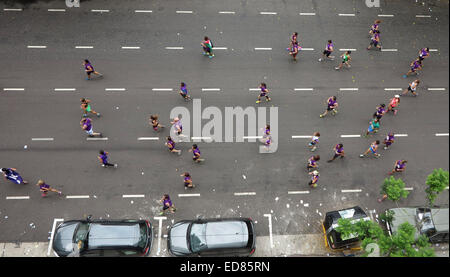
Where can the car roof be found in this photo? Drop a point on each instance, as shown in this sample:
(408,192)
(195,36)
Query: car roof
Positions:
(226,234)
(440,219)
(402,215)
(109,234)
(350,213)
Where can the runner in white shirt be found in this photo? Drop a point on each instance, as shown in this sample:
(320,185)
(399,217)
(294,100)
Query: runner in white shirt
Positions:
(412,87)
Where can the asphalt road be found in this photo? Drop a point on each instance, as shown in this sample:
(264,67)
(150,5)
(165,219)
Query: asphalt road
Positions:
(274,183)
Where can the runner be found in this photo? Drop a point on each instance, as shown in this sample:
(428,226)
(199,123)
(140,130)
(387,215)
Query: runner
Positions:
(388,140)
(207,47)
(379,112)
(400,166)
(373,148)
(184,92)
(44,188)
(167,204)
(424,53)
(374,126)
(345,60)
(412,88)
(196,151)
(328,50)
(264,92)
(12,175)
(103,158)
(375,27)
(393,104)
(86,125)
(187,180)
(293,39)
(314,141)
(294,50)
(171,145)
(266,134)
(178,127)
(90,69)
(314,178)
(312,162)
(331,106)
(338,152)
(86,107)
(155,123)
(415,66)
(375,41)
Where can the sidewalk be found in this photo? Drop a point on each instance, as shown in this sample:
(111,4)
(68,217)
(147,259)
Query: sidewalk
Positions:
(283,246)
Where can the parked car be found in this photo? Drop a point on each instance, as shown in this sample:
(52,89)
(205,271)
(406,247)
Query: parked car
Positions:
(333,239)
(103,238)
(212,237)
(432,223)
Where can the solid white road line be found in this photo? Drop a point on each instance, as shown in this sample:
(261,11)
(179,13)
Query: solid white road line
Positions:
(148,138)
(268,13)
(131,47)
(270,229)
(160,219)
(50,245)
(143,11)
(392,89)
(133,196)
(227,12)
(162,89)
(307,13)
(42,139)
(100,11)
(262,49)
(115,89)
(184,11)
(65,89)
(189,195)
(346,14)
(37,46)
(84,47)
(303,89)
(434,89)
(13,89)
(12,10)
(210,89)
(442,135)
(350,136)
(299,192)
(347,49)
(386,15)
(56,10)
(423,16)
(17,197)
(301,137)
(77,196)
(351,190)
(348,89)
(389,50)
(96,138)
(244,193)
(175,48)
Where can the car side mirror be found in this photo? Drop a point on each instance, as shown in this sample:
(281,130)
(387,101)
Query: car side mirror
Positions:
(89,217)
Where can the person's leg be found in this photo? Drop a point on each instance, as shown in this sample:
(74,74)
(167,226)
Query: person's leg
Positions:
(335,156)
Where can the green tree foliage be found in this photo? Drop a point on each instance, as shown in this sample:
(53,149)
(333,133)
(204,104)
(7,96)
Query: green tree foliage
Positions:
(394,189)
(437,181)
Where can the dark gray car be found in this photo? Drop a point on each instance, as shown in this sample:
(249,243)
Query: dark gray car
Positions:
(212,237)
(105,238)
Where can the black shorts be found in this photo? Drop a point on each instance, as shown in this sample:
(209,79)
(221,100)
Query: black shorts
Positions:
(421,58)
(374,43)
(330,108)
(165,207)
(89,72)
(409,89)
(326,52)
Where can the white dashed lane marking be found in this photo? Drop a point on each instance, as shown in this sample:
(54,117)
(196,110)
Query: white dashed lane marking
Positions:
(65,89)
(393,89)
(56,10)
(350,136)
(227,12)
(442,134)
(307,13)
(148,138)
(184,11)
(268,13)
(77,196)
(133,196)
(351,190)
(96,139)
(423,16)
(244,193)
(42,139)
(115,89)
(386,15)
(210,89)
(389,50)
(262,49)
(143,11)
(436,89)
(83,47)
(174,48)
(303,89)
(347,49)
(12,10)
(346,14)
(100,11)
(162,89)
(189,195)
(37,46)
(17,197)
(348,89)
(301,137)
(131,47)
(299,192)
(13,89)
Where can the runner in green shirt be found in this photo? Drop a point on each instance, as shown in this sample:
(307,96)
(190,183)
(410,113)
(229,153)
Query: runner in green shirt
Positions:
(345,60)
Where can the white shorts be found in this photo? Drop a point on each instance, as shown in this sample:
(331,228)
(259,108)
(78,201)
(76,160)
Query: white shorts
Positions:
(90,132)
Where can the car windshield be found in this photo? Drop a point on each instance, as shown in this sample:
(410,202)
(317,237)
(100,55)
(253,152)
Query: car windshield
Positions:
(198,237)
(81,234)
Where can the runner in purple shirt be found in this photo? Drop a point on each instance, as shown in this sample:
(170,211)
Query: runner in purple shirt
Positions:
(381,110)
(312,162)
(264,92)
(314,178)
(328,50)
(375,41)
(90,69)
(86,125)
(171,145)
(338,152)
(196,151)
(44,188)
(167,204)
(415,66)
(424,53)
(103,158)
(155,123)
(187,180)
(388,140)
(375,27)
(184,92)
(400,166)
(331,106)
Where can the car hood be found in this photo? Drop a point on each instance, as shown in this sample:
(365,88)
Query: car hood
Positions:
(63,238)
(178,238)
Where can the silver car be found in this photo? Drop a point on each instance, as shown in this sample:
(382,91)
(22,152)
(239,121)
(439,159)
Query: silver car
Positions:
(212,237)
